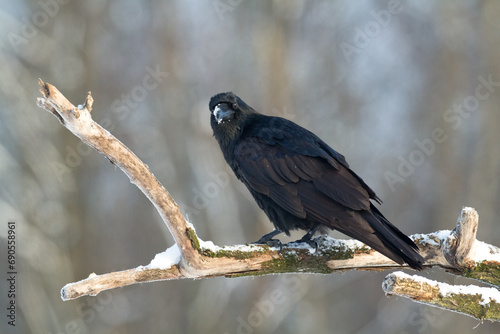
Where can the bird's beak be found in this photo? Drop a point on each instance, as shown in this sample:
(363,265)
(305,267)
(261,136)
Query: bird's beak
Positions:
(222,113)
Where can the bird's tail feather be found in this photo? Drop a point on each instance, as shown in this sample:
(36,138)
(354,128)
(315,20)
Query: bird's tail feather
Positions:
(395,244)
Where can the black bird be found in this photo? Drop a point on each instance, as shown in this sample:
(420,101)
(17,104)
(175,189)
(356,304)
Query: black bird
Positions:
(300,182)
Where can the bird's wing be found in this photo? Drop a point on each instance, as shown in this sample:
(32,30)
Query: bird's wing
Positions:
(299,183)
(307,149)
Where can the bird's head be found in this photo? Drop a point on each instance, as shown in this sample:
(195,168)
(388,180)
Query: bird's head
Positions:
(228,114)
(227,108)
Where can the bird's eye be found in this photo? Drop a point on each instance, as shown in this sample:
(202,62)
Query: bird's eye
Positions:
(235,106)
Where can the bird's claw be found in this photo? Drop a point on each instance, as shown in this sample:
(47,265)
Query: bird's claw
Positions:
(311,242)
(270,242)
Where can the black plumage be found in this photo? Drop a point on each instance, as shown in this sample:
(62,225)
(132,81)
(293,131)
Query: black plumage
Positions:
(300,182)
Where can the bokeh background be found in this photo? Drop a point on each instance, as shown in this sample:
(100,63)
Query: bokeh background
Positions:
(397,87)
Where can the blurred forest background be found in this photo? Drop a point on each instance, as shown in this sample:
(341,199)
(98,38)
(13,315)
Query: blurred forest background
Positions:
(409,92)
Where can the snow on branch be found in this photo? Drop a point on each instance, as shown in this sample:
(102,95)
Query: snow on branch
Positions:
(478,302)
(456,251)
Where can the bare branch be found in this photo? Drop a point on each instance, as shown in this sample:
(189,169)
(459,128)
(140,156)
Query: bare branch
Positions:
(94,284)
(80,123)
(457,247)
(332,255)
(457,251)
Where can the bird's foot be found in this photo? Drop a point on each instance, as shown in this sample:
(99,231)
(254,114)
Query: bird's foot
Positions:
(307,240)
(269,242)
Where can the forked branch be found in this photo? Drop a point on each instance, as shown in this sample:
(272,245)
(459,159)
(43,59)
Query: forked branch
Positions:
(456,251)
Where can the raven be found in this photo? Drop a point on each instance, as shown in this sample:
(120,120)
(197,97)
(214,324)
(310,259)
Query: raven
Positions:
(300,182)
